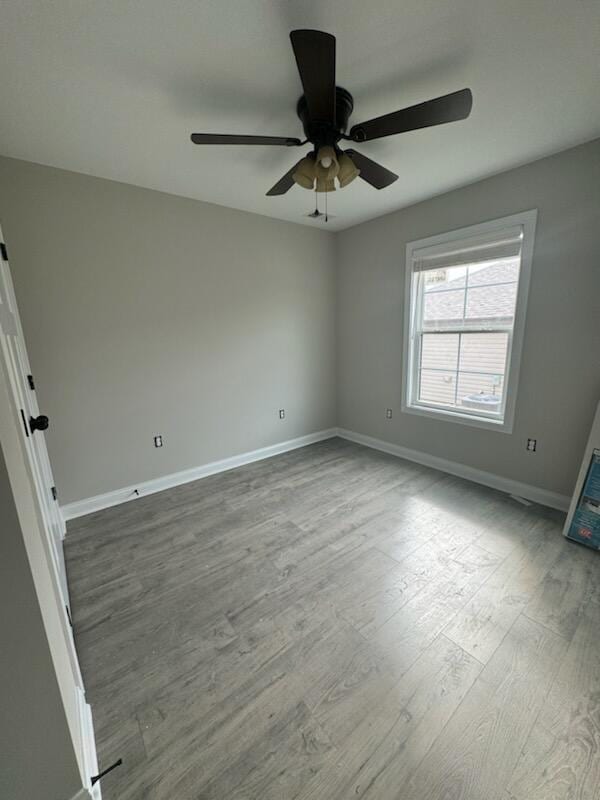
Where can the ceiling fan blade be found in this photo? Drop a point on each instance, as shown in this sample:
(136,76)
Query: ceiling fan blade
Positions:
(315,56)
(225,138)
(449,108)
(371,171)
(285,183)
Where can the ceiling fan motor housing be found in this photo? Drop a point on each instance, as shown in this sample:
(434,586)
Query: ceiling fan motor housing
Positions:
(322,133)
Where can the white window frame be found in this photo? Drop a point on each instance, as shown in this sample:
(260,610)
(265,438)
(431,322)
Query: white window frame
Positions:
(410,405)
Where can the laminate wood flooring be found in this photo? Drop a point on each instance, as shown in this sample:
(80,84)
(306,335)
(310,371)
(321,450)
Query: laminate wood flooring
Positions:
(337,623)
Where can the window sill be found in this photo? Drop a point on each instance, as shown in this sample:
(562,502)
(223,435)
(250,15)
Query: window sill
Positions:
(444,415)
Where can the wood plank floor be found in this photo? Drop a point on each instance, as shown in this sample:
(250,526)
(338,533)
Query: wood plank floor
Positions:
(338,623)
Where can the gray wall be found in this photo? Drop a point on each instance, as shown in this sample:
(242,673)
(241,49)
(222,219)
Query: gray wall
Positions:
(36,753)
(147,313)
(560,371)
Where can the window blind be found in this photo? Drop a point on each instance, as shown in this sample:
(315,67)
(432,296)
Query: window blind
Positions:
(494,246)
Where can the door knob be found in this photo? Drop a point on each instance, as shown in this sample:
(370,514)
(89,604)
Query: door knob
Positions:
(39,423)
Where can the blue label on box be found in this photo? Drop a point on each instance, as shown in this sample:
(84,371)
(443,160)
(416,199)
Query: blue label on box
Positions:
(585,525)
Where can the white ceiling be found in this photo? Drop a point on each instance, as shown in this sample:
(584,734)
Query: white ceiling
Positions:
(114,88)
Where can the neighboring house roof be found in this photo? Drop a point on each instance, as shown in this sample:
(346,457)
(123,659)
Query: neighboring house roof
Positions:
(490,298)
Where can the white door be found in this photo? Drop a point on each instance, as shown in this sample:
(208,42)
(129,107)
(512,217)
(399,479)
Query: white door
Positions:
(49,525)
(22,384)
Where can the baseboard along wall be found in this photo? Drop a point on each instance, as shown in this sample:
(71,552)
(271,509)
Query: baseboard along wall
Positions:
(80,508)
(535,494)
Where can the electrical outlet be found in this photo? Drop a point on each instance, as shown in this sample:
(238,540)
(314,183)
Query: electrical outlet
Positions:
(158,442)
(532,445)
(388,413)
(282,413)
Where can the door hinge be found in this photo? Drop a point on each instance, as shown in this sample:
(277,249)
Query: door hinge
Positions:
(3,251)
(69,616)
(54,493)
(31,382)
(25,423)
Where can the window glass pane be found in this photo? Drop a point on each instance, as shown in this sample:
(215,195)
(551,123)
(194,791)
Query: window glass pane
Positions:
(481,393)
(445,308)
(479,383)
(436,280)
(483,352)
(491,304)
(439,351)
(494,272)
(437,386)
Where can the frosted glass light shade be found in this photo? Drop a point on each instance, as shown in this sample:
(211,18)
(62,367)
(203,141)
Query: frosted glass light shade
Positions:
(325,184)
(305,173)
(348,170)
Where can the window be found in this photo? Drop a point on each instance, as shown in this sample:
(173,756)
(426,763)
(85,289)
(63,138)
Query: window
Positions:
(466,294)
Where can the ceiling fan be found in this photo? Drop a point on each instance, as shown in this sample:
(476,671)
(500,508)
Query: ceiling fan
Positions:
(324,110)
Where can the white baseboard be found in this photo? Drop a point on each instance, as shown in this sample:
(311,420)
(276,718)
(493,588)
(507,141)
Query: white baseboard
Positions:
(87,757)
(534,493)
(81,507)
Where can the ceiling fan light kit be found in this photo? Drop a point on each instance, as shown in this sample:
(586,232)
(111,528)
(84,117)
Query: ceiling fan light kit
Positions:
(324,110)
(324,168)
